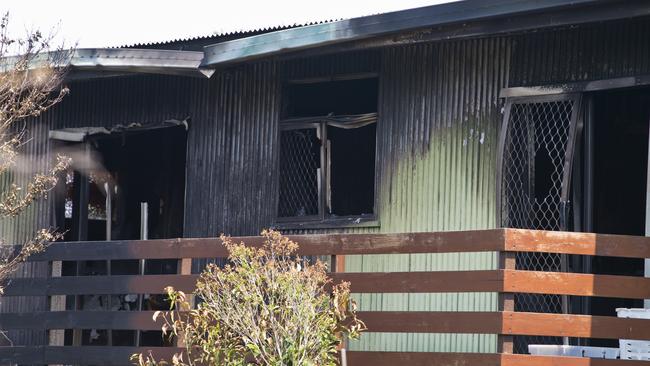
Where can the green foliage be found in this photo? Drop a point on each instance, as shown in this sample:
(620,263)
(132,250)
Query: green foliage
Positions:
(266,307)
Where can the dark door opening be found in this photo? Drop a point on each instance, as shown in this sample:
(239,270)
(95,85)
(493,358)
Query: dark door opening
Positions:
(135,167)
(114,174)
(620,121)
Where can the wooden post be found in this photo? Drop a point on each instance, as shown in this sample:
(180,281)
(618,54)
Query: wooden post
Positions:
(185,269)
(57,303)
(505,343)
(337,264)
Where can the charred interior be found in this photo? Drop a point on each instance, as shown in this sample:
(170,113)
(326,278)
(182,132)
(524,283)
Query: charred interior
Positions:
(327,150)
(122,175)
(620,136)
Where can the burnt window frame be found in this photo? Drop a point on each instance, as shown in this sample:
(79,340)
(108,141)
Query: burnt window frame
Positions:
(323,219)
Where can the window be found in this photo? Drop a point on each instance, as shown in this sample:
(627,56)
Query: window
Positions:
(327,151)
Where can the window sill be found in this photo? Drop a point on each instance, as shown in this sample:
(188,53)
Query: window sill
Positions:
(330,223)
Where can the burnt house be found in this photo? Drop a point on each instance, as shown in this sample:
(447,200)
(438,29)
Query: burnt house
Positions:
(476,114)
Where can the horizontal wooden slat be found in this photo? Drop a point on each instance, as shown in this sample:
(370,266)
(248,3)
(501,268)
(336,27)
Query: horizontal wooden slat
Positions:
(475,359)
(84,355)
(423,282)
(518,240)
(530,360)
(43,320)
(575,284)
(120,356)
(394,282)
(377,282)
(100,285)
(432,322)
(583,326)
(422,359)
(324,244)
(419,322)
(350,244)
(507,323)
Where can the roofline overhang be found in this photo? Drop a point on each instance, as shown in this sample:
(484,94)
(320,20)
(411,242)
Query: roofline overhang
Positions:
(168,62)
(88,63)
(357,29)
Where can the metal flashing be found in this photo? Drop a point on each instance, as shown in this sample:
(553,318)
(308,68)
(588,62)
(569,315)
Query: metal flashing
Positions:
(89,63)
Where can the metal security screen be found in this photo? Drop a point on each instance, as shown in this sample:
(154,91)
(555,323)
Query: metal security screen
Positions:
(536,151)
(300,156)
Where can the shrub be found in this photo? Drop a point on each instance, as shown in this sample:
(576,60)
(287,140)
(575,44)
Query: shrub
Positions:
(266,307)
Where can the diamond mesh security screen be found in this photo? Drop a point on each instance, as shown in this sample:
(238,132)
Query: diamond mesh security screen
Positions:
(299,163)
(533,189)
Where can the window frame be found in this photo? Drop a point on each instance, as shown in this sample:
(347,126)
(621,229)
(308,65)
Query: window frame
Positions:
(324,219)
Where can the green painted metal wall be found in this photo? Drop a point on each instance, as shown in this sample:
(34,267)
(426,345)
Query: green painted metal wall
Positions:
(437,132)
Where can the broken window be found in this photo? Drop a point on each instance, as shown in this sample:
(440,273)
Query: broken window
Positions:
(327,151)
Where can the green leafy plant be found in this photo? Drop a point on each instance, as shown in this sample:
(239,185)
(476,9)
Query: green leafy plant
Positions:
(268,306)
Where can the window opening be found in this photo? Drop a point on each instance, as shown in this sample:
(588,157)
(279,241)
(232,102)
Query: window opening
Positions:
(327,150)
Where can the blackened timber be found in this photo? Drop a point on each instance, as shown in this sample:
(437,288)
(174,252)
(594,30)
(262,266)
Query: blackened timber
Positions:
(392,282)
(322,244)
(85,355)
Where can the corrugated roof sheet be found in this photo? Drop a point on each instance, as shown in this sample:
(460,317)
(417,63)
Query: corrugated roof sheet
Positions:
(245,32)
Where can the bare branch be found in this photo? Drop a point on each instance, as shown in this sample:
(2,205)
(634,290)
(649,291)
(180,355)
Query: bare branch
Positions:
(31,76)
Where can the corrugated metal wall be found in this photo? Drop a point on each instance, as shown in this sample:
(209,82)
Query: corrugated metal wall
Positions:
(232,151)
(437,132)
(589,52)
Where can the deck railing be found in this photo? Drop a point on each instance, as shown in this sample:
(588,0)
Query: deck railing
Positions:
(506,281)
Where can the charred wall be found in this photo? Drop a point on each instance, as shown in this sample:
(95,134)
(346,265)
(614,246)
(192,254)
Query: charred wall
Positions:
(97,103)
(588,52)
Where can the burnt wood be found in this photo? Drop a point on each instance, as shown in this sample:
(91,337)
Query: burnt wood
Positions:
(510,240)
(321,244)
(100,285)
(504,281)
(80,355)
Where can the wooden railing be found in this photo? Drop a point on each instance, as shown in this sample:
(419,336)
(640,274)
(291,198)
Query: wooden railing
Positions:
(506,281)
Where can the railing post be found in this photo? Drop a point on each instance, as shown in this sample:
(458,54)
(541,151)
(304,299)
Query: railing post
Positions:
(507,260)
(337,264)
(185,269)
(57,303)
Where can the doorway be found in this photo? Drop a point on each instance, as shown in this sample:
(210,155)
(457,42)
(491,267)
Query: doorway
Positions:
(617,136)
(125,184)
(114,174)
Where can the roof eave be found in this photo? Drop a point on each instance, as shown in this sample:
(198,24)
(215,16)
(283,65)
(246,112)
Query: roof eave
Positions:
(87,63)
(320,35)
(113,60)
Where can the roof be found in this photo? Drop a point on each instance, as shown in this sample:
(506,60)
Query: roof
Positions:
(461,12)
(443,21)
